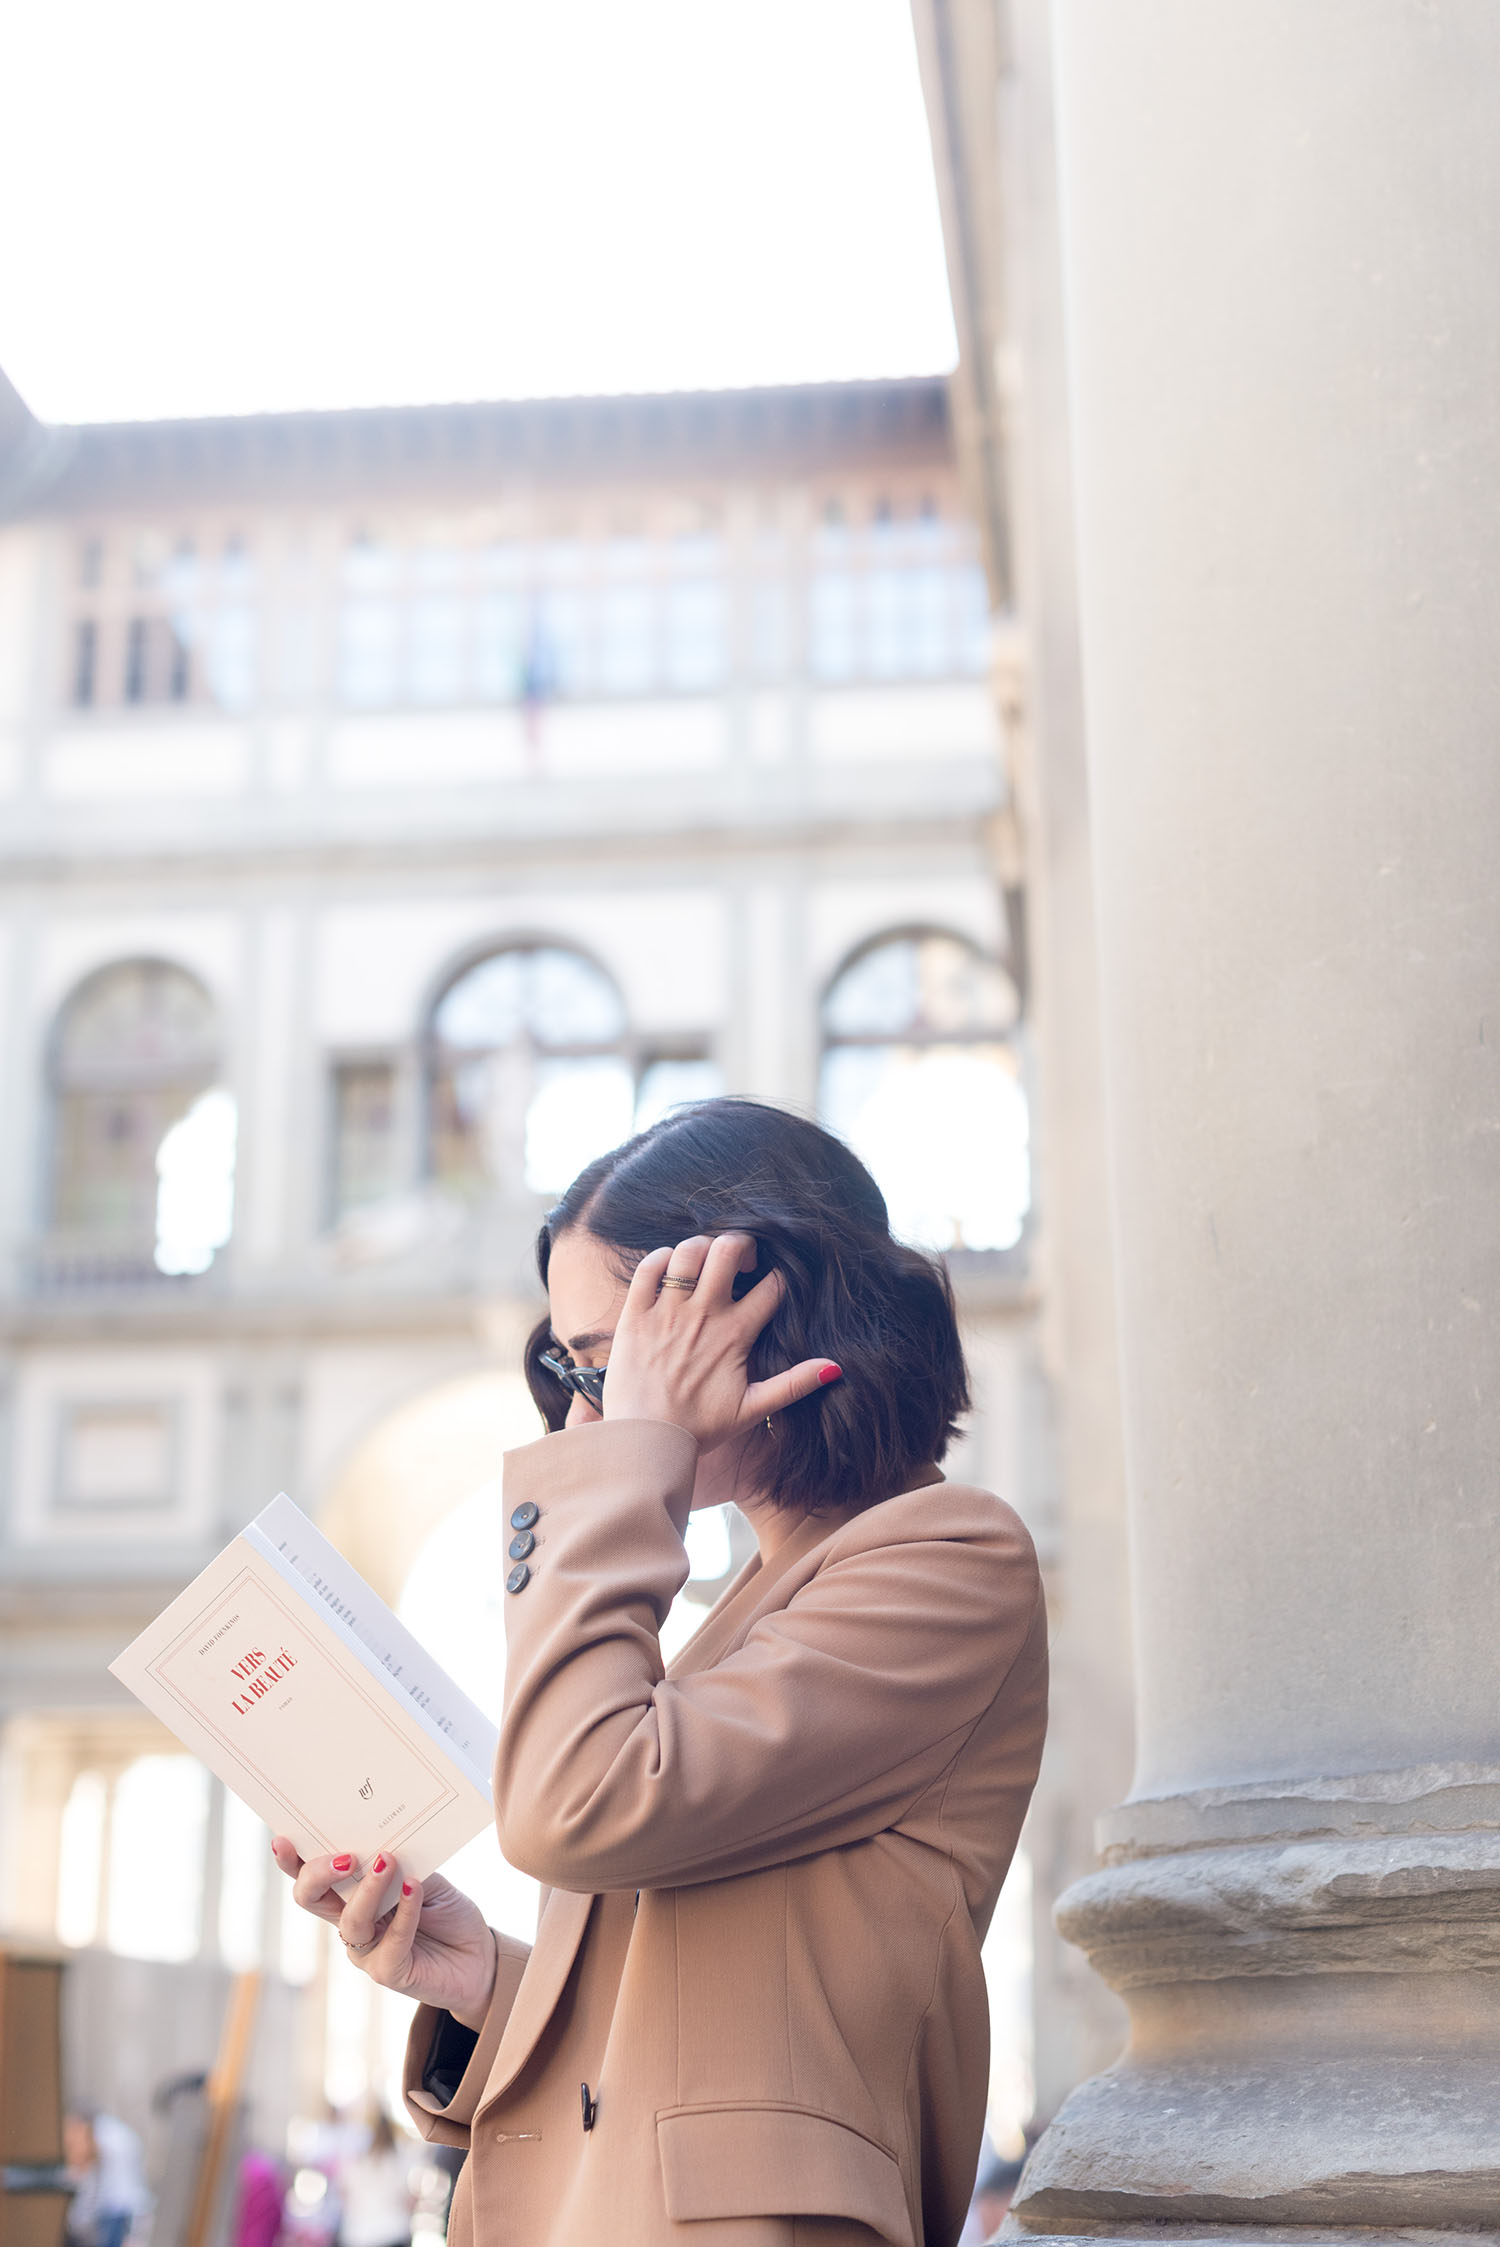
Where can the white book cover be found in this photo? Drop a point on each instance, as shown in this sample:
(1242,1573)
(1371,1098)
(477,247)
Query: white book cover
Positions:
(293,1681)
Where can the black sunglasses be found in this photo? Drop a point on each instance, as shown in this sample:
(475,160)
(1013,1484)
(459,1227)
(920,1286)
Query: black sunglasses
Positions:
(586,1381)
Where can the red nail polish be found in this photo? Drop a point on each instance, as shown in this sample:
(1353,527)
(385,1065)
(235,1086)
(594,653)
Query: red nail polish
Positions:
(831,1373)
(406,1887)
(380,1864)
(342,1864)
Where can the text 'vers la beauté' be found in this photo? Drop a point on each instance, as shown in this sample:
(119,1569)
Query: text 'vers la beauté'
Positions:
(258,1672)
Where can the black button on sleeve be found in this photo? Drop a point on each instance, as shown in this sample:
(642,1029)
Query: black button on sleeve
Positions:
(526,1516)
(518,1578)
(522,1545)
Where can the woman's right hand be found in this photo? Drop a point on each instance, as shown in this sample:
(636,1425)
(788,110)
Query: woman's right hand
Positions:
(435,1945)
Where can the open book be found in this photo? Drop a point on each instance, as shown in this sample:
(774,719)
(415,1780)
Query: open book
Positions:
(297,1686)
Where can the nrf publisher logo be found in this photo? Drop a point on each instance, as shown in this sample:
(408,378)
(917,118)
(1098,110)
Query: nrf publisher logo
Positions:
(367,1791)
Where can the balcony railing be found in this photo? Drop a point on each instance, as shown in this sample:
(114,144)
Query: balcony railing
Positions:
(74,1266)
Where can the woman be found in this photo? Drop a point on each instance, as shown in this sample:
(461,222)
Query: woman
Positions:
(754,2014)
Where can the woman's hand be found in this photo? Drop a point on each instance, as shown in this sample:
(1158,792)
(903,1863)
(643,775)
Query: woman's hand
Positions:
(682,1342)
(435,1945)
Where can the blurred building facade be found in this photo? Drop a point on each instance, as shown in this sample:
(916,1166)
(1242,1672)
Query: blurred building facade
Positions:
(399,808)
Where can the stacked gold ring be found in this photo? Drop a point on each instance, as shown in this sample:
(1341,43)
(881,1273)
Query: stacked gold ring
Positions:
(672,1281)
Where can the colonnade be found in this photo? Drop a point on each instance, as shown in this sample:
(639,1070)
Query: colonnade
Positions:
(1282,280)
(43,1757)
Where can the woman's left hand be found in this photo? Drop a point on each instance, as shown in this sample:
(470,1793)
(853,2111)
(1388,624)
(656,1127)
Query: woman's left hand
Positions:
(434,1946)
(682,1342)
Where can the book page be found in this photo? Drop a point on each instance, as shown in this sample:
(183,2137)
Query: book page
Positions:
(286,1535)
(298,1717)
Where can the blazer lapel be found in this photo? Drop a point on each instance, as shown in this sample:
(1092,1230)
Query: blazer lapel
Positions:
(559,1933)
(753,1590)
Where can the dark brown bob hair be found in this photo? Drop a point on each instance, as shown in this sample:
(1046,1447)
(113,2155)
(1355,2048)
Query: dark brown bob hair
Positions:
(880,1310)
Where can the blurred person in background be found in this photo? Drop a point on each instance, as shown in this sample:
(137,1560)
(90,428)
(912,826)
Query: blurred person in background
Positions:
(262,2199)
(375,2190)
(433,2180)
(107,2168)
(319,2147)
(755,2013)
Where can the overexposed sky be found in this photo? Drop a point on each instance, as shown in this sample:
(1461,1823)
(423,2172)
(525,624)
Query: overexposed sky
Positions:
(208,206)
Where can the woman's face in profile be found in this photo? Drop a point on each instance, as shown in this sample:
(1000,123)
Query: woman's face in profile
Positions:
(585,1296)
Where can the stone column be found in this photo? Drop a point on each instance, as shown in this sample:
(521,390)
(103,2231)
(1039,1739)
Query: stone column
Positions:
(44,1762)
(1282,268)
(211,1895)
(1079,2024)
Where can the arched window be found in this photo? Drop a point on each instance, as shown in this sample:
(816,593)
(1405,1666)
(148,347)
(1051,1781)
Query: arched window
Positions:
(532,1071)
(528,1079)
(921,1077)
(143,1137)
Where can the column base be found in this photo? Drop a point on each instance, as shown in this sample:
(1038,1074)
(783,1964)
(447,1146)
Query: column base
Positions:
(1257,2235)
(1315,2026)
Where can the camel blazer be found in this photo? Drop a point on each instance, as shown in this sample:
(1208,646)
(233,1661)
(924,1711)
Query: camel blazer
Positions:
(787,1846)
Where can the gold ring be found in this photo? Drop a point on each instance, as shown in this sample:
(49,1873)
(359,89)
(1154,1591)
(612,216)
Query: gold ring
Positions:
(354,1949)
(686,1285)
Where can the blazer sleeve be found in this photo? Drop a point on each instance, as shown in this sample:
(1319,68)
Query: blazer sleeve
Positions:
(824,1727)
(446,2122)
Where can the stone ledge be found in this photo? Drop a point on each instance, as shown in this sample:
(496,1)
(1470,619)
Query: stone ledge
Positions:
(1279,2210)
(1444,1798)
(1362,2101)
(1251,2235)
(1425,1903)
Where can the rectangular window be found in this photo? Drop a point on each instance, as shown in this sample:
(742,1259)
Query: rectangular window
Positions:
(232,657)
(236,569)
(368,567)
(561,642)
(296,634)
(832,621)
(367,653)
(181,579)
(179,676)
(86,664)
(832,539)
(927,592)
(137,651)
(908,621)
(627,639)
(499,644)
(889,618)
(364,1134)
(436,649)
(503,563)
(695,636)
(770,631)
(192,632)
